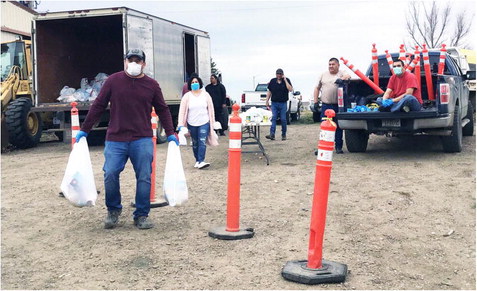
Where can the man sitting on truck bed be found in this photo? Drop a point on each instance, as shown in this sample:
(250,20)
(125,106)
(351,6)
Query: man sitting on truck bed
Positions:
(403,90)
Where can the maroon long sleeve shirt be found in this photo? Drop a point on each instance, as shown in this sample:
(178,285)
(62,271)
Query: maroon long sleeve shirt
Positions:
(131,101)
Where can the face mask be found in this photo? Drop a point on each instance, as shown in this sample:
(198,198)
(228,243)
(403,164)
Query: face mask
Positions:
(194,86)
(134,69)
(397,70)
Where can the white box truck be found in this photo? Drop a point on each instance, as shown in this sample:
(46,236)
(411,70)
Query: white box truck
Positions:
(71,45)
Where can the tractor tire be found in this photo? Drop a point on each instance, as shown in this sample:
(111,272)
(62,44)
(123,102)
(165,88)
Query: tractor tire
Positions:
(468,129)
(24,127)
(453,143)
(356,140)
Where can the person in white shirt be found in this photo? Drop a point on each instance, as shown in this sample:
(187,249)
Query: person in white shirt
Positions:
(197,113)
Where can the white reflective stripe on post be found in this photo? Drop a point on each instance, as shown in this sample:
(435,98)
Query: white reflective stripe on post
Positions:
(74,132)
(235,144)
(324,155)
(327,135)
(235,127)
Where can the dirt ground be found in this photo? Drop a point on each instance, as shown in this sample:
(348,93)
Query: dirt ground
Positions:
(401,216)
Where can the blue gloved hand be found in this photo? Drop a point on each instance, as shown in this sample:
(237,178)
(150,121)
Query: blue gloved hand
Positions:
(173,137)
(80,134)
(387,102)
(179,128)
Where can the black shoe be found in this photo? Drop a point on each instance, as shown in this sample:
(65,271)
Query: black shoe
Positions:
(316,152)
(339,151)
(271,136)
(384,109)
(284,137)
(142,222)
(112,219)
(222,134)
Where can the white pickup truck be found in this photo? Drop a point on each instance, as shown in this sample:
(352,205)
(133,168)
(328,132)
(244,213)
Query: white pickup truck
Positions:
(258,97)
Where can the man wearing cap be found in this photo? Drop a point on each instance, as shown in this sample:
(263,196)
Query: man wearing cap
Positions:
(131,96)
(278,89)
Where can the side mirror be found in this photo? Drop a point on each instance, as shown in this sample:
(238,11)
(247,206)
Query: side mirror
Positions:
(296,93)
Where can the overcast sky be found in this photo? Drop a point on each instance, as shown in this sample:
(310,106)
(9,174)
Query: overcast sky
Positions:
(251,39)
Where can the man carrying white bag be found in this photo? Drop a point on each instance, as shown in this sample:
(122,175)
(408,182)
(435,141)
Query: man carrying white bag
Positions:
(174,186)
(78,182)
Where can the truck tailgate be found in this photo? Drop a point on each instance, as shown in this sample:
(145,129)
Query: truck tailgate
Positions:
(387,115)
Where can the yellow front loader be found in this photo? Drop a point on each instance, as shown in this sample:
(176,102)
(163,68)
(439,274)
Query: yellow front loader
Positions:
(20,126)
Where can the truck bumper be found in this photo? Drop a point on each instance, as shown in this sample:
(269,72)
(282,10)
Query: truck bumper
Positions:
(406,125)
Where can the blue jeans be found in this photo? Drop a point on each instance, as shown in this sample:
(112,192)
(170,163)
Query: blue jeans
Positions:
(199,136)
(279,109)
(407,100)
(116,155)
(339,131)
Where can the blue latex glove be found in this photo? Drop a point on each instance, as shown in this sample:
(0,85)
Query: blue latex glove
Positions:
(387,102)
(173,137)
(80,134)
(179,128)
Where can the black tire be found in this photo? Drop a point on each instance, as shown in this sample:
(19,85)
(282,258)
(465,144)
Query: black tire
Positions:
(453,143)
(295,116)
(356,140)
(161,134)
(468,129)
(24,127)
(316,117)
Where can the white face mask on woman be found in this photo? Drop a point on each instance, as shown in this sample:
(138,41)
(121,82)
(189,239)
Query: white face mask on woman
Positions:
(134,69)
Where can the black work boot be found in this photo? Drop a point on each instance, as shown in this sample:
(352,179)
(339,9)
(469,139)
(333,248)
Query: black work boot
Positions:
(270,136)
(142,222)
(112,219)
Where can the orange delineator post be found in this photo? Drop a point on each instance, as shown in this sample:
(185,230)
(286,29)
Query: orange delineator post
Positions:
(233,187)
(413,64)
(152,196)
(427,69)
(374,53)
(75,125)
(322,184)
(390,61)
(363,77)
(402,55)
(442,60)
(232,230)
(417,69)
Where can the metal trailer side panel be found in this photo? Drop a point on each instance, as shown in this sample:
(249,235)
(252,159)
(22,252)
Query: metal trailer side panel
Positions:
(203,58)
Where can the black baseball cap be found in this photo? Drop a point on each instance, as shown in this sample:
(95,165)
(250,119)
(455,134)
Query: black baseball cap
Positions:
(279,71)
(136,53)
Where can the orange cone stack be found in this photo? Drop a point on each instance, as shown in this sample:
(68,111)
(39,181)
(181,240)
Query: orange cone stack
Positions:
(427,69)
(442,60)
(232,231)
(75,125)
(402,54)
(390,61)
(374,53)
(413,64)
(417,69)
(363,77)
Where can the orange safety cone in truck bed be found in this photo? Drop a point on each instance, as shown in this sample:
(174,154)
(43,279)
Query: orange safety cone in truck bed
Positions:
(427,69)
(374,53)
(363,77)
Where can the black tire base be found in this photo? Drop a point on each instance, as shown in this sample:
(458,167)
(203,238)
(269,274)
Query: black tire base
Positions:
(330,272)
(221,233)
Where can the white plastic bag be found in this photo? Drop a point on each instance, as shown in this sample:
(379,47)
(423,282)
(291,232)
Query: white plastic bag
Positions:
(217,125)
(174,186)
(78,182)
(182,137)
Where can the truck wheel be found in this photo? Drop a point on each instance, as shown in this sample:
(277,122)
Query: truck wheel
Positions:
(316,117)
(24,127)
(161,134)
(356,140)
(296,116)
(468,129)
(453,143)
